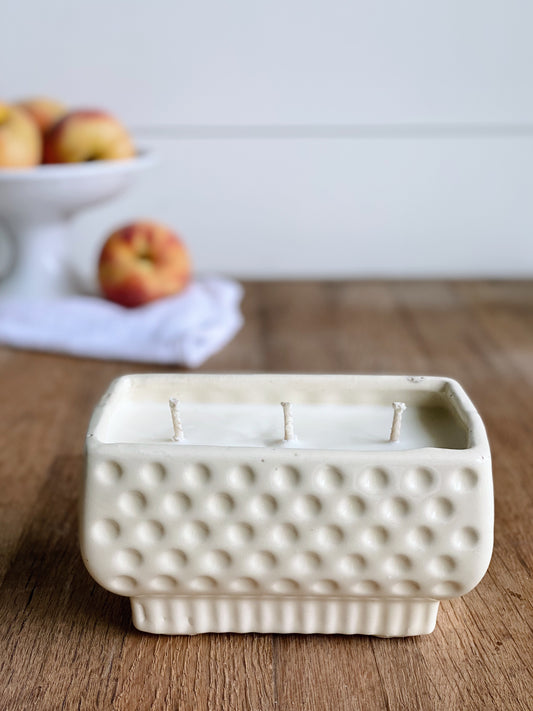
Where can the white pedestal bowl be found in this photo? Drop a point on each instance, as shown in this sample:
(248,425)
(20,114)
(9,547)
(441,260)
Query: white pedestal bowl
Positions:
(36,207)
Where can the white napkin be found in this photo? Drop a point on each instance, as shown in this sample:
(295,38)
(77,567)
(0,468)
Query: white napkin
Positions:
(185,329)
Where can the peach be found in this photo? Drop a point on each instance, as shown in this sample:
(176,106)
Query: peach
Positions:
(141,262)
(87,135)
(20,140)
(45,112)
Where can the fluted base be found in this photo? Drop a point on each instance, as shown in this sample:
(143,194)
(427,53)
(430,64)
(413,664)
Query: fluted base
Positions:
(392,617)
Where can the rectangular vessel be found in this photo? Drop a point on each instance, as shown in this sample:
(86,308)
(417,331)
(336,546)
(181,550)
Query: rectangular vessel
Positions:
(235,529)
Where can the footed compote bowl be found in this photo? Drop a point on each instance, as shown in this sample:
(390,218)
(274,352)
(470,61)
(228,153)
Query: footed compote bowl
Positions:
(36,207)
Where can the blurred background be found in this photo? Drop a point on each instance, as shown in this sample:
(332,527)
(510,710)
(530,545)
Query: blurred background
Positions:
(304,138)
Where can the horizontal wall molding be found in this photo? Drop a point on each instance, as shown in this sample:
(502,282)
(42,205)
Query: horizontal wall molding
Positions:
(394,131)
(304,138)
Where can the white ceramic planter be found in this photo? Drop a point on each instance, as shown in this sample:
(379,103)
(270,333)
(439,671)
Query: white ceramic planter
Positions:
(285,539)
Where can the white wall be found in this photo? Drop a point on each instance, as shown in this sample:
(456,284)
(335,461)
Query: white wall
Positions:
(305,137)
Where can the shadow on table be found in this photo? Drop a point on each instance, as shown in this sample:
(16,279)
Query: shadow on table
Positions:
(47,586)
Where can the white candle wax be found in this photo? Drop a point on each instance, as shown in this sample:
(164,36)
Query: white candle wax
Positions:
(219,531)
(317,426)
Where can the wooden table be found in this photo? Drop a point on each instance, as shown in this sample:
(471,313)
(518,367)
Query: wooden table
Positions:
(69,644)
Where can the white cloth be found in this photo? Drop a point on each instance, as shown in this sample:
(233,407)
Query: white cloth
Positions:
(182,330)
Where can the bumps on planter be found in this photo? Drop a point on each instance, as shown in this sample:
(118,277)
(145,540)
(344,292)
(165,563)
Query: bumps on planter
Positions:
(186,528)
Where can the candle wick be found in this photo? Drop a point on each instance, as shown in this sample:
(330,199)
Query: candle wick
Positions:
(399,409)
(176,419)
(288,421)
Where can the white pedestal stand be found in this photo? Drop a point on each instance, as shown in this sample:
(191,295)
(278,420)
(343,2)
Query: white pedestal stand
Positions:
(36,206)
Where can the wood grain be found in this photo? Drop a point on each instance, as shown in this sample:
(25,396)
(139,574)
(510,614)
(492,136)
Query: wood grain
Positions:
(68,644)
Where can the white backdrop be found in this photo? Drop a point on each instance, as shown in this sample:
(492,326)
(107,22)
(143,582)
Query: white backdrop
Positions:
(304,137)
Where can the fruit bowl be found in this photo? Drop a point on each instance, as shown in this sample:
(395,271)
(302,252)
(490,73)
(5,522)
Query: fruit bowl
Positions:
(36,207)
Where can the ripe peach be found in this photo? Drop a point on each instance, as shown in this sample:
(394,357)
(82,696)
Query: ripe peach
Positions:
(45,112)
(141,262)
(20,140)
(87,135)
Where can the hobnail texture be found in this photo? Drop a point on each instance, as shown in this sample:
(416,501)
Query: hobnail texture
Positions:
(216,539)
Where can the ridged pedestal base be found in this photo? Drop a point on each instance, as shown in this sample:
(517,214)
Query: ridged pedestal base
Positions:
(388,617)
